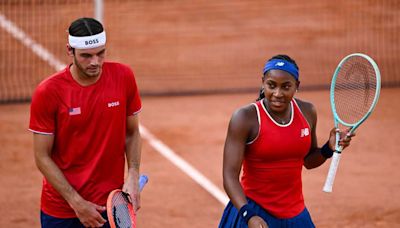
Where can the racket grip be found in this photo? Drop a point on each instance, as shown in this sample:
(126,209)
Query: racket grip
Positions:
(143,179)
(332,172)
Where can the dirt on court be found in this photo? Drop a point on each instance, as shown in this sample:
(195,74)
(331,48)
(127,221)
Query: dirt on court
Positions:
(211,45)
(365,192)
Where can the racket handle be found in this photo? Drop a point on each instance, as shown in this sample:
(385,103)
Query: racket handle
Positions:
(332,172)
(143,179)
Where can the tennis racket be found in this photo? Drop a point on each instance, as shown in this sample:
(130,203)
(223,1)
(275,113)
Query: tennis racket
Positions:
(120,210)
(354,92)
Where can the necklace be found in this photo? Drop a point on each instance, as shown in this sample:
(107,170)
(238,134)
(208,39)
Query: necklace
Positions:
(280,120)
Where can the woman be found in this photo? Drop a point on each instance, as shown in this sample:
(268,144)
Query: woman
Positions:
(271,140)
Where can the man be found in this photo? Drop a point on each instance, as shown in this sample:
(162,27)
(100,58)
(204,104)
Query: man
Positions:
(84,121)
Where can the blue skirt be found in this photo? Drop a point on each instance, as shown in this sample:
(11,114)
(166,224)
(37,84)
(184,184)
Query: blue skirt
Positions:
(231,218)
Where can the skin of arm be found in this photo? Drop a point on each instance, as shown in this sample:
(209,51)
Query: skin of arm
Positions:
(243,125)
(133,146)
(87,212)
(314,157)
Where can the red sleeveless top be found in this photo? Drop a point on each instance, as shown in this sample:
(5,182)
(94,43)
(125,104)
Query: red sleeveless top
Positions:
(273,163)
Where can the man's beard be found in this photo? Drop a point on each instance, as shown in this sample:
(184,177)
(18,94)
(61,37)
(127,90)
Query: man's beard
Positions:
(83,72)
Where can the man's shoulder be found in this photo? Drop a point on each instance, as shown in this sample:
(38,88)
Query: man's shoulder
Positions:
(46,90)
(53,80)
(119,71)
(116,66)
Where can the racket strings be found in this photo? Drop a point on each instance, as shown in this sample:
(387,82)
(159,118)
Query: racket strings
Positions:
(121,211)
(354,90)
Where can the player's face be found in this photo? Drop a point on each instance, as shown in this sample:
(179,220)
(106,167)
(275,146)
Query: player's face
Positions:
(279,89)
(89,61)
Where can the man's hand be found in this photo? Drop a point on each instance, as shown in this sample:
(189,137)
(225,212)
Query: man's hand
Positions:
(89,213)
(131,186)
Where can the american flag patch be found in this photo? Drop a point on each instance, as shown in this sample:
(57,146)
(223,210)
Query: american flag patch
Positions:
(75,111)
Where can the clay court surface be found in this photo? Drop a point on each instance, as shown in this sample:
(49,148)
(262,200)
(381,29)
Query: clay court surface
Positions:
(365,192)
(177,46)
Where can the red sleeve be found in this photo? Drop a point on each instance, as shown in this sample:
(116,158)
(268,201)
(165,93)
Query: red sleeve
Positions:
(134,103)
(43,111)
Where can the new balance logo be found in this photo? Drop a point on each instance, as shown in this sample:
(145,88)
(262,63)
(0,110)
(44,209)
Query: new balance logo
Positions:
(304,132)
(113,104)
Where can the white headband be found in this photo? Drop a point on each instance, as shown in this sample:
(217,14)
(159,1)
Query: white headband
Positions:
(86,42)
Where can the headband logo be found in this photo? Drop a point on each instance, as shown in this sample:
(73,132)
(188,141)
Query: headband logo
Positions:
(95,41)
(87,42)
(281,64)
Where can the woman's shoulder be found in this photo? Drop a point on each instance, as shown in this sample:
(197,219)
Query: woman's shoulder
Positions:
(245,111)
(305,105)
(308,110)
(244,116)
